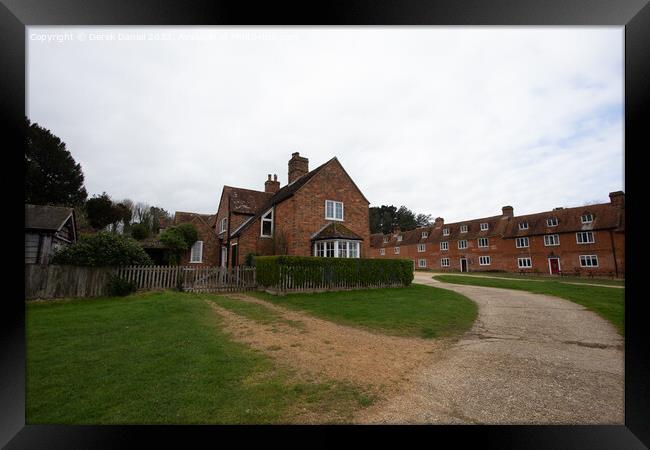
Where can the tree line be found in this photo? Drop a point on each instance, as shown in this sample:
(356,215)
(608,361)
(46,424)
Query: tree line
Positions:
(383,219)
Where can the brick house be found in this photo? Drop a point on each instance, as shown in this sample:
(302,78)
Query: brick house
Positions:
(581,240)
(321,212)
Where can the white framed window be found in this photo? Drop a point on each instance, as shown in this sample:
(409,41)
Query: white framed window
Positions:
(551,239)
(482,242)
(445,231)
(329,249)
(223,224)
(588,261)
(266,225)
(444,245)
(396,250)
(333,210)
(319,249)
(522,242)
(587,218)
(444,262)
(524,263)
(585,237)
(523,225)
(462,244)
(421,247)
(425,234)
(385,239)
(484,226)
(343,249)
(422,262)
(551,222)
(463,228)
(353,249)
(399,238)
(338,249)
(382,251)
(196,254)
(484,260)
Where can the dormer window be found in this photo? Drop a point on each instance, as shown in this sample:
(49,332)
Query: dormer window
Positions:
(551,222)
(523,225)
(484,226)
(267,224)
(425,234)
(463,228)
(385,239)
(223,225)
(333,210)
(399,238)
(445,231)
(587,218)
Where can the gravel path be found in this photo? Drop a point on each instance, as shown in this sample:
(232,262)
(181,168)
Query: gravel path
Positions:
(529,359)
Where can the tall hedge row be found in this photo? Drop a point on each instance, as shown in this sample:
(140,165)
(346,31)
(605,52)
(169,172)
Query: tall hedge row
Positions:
(332,271)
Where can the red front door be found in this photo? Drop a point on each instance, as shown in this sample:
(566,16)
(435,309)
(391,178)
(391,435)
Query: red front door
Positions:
(554,265)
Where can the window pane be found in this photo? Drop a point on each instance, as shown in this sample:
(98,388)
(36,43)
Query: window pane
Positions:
(339,210)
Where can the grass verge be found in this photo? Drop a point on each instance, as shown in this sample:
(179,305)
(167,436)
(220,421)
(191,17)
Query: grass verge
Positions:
(161,358)
(564,279)
(416,310)
(606,302)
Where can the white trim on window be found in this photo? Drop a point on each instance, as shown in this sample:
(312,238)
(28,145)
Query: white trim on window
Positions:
(444,245)
(551,240)
(422,262)
(334,210)
(551,222)
(462,244)
(524,263)
(396,250)
(483,242)
(484,260)
(399,238)
(445,231)
(267,218)
(196,252)
(386,239)
(338,249)
(523,225)
(463,228)
(522,242)
(587,218)
(422,248)
(485,226)
(585,237)
(588,261)
(425,234)
(444,262)
(382,251)
(223,224)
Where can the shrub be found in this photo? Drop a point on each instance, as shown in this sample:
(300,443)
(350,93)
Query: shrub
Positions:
(326,272)
(250,259)
(139,231)
(103,249)
(178,239)
(119,287)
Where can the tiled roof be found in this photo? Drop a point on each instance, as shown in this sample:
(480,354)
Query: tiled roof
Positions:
(51,218)
(246,201)
(184,217)
(605,216)
(336,230)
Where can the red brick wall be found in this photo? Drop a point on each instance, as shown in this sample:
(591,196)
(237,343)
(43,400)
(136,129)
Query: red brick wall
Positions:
(210,245)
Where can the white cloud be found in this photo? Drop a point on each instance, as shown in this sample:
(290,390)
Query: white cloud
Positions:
(455,122)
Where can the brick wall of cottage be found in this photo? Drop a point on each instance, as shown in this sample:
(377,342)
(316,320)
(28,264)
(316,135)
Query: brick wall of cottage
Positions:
(210,245)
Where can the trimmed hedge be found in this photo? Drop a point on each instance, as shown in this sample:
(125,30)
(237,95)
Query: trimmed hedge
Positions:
(332,272)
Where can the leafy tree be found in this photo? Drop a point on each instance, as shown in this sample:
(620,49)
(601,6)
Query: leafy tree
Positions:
(103,249)
(178,239)
(385,218)
(101,211)
(406,219)
(424,220)
(52,176)
(158,214)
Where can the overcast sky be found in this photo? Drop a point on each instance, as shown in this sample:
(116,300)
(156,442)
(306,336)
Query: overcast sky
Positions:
(454,122)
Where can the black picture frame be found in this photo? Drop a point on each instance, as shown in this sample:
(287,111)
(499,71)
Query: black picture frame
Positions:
(634,15)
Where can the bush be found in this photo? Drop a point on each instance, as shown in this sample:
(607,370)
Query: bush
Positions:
(119,287)
(333,271)
(177,239)
(139,231)
(250,259)
(103,249)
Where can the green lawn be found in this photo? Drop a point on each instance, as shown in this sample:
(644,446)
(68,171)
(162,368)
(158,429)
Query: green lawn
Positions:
(565,279)
(417,310)
(159,358)
(604,301)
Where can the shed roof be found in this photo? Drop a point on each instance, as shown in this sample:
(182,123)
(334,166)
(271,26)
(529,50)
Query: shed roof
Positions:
(50,218)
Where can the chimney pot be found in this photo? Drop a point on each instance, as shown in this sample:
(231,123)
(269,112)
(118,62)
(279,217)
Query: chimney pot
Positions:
(507,211)
(617,198)
(439,222)
(298,166)
(272,186)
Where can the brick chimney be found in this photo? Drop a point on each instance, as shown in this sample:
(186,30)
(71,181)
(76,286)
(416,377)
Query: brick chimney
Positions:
(298,166)
(617,199)
(439,222)
(272,186)
(508,211)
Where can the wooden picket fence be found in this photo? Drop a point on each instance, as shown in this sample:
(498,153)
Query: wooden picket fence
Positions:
(54,281)
(319,279)
(190,278)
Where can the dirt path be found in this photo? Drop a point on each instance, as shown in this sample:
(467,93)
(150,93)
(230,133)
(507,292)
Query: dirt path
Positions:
(319,349)
(529,358)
